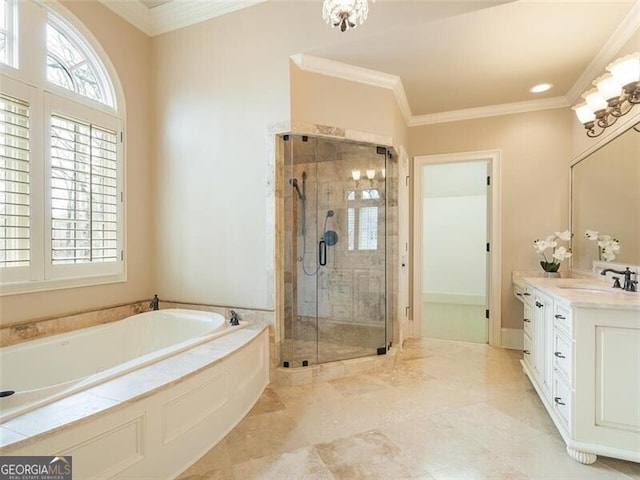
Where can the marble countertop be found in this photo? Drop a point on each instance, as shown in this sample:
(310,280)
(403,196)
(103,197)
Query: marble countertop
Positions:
(585,292)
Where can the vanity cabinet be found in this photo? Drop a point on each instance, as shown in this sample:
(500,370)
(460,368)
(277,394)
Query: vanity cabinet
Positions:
(583,359)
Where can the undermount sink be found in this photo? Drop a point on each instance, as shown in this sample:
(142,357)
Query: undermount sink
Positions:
(586,288)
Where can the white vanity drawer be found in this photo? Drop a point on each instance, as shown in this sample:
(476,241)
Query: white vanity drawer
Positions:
(562,399)
(527,352)
(528,319)
(562,319)
(522,293)
(562,355)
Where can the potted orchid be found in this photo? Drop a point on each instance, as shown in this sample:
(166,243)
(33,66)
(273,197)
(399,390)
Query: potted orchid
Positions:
(558,252)
(608,246)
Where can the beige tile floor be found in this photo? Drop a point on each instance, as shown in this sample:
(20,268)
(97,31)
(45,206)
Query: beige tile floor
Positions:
(448,411)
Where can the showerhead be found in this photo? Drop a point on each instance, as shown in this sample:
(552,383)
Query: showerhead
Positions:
(330,213)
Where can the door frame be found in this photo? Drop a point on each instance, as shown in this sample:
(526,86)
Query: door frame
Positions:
(494,235)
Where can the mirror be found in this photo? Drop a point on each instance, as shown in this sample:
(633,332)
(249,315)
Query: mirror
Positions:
(605,196)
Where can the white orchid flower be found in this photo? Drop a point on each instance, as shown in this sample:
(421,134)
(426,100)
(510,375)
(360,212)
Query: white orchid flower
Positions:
(591,234)
(610,244)
(566,235)
(608,255)
(561,253)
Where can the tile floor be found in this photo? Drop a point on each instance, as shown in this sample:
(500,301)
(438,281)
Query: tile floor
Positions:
(448,411)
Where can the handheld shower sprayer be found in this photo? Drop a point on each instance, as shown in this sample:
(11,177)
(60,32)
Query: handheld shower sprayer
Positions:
(294,183)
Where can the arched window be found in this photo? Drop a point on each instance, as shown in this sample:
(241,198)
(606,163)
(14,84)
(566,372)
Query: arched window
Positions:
(61,158)
(72,63)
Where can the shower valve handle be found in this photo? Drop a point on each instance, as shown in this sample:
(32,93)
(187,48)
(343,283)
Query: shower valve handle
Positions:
(322,253)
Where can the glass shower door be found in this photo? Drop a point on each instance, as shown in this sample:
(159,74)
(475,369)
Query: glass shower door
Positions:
(351,225)
(335,301)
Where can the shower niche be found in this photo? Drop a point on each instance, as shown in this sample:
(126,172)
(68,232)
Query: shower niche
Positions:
(335,249)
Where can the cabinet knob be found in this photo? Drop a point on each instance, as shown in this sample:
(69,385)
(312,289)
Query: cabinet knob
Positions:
(526,352)
(560,317)
(558,401)
(527,320)
(539,305)
(559,355)
(526,294)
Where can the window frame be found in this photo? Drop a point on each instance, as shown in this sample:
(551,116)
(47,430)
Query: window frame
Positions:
(29,83)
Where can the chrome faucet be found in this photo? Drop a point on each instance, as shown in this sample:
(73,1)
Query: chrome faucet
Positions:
(155,303)
(629,285)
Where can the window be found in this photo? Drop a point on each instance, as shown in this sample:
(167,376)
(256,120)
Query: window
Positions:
(84,193)
(15,250)
(362,219)
(72,65)
(61,164)
(7,33)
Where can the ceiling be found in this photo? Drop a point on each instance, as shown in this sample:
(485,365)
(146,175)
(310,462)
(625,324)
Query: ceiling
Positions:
(455,55)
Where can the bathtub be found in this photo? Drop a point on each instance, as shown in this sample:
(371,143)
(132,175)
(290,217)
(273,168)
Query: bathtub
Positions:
(45,370)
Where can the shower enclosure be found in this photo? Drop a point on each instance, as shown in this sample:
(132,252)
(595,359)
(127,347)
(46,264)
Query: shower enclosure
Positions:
(334,222)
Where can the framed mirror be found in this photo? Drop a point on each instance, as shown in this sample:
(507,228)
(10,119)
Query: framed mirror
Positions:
(605,197)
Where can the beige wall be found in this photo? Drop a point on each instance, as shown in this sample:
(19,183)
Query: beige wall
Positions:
(535,180)
(335,102)
(219,86)
(129,51)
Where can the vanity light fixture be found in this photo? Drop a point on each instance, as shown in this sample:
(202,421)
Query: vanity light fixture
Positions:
(355,174)
(371,174)
(383,172)
(345,14)
(616,93)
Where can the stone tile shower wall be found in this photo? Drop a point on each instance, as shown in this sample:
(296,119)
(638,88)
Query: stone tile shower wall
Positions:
(351,298)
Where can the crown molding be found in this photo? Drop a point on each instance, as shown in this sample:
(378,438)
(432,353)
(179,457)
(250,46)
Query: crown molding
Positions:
(629,26)
(173,15)
(133,11)
(489,111)
(353,73)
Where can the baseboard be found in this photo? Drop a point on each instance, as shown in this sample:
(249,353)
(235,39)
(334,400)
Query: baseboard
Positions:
(512,338)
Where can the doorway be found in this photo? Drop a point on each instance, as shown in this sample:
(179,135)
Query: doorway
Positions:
(456,245)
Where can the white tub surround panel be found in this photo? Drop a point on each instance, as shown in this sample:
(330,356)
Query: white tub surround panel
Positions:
(153,422)
(582,355)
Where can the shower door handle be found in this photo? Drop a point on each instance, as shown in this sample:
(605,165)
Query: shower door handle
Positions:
(322,253)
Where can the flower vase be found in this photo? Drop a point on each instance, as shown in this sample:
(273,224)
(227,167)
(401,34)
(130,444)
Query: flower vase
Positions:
(550,269)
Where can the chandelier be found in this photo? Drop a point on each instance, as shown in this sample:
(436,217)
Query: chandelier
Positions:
(345,14)
(616,93)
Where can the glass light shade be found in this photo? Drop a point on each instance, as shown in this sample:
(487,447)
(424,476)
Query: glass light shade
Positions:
(595,100)
(371,174)
(584,113)
(345,13)
(608,86)
(383,172)
(626,69)
(355,174)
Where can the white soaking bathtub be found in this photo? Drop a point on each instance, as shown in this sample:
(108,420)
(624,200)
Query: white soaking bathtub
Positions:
(44,370)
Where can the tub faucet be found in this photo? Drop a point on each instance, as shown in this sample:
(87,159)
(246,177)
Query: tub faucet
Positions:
(234,319)
(629,285)
(155,303)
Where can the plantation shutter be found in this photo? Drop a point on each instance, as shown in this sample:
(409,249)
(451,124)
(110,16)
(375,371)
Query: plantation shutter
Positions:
(84,195)
(15,210)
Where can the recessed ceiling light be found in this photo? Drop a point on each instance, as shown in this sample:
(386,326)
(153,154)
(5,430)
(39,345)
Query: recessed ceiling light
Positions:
(541,87)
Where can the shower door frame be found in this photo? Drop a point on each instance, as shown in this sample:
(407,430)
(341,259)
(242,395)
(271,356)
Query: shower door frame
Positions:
(281,210)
